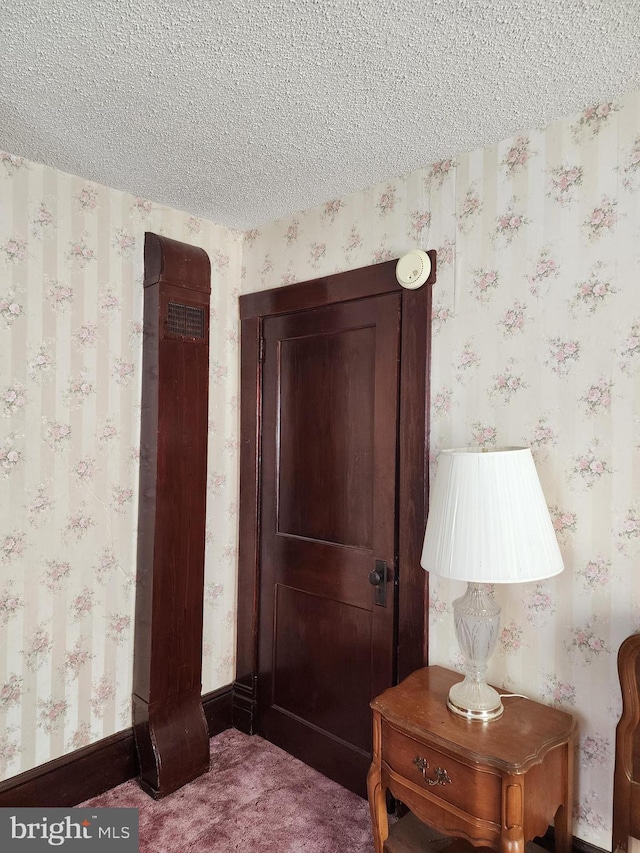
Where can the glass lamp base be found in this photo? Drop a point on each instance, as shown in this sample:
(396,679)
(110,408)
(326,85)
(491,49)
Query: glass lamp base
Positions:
(475,701)
(477,622)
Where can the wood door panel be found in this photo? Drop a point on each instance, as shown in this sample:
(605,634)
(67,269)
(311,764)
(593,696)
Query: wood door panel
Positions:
(254,615)
(312,677)
(329,451)
(335,758)
(321,566)
(322,483)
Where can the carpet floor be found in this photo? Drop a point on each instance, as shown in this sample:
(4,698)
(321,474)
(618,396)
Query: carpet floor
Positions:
(256,798)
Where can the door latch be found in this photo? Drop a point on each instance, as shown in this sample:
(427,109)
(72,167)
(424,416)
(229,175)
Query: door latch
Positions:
(378,579)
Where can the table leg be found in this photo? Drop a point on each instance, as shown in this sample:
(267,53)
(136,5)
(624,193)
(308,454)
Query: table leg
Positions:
(562,828)
(378,807)
(512,841)
(512,834)
(563,822)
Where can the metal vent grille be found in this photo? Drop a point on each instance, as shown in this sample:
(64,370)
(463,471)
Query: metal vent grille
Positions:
(185,320)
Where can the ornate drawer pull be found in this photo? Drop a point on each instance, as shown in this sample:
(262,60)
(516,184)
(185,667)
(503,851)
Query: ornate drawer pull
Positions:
(442,777)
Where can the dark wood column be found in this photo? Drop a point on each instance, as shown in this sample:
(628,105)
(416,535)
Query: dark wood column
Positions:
(169,724)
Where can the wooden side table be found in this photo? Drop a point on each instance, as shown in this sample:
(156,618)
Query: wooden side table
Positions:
(496,784)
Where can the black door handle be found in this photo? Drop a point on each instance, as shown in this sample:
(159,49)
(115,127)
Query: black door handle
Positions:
(378,578)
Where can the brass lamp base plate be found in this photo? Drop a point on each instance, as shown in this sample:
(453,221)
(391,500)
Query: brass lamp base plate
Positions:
(482,715)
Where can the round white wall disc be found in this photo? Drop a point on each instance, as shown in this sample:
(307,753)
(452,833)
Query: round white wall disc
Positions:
(413,269)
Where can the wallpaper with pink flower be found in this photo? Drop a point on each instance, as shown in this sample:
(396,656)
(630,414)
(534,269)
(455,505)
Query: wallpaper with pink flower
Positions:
(71,266)
(536,341)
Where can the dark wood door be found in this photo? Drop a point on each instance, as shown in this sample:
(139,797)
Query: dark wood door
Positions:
(328,497)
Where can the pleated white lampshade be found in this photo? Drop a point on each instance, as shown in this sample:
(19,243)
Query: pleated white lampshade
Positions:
(488,519)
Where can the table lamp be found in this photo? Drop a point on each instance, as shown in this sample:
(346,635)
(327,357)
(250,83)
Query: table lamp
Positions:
(488,523)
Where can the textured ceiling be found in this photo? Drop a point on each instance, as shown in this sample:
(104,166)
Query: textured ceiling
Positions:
(243,112)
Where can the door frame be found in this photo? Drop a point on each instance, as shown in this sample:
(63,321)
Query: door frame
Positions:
(413,460)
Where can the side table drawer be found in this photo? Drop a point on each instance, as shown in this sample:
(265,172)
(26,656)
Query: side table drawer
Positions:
(474,790)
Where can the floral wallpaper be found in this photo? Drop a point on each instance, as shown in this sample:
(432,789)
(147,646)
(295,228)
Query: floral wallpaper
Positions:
(536,341)
(71,266)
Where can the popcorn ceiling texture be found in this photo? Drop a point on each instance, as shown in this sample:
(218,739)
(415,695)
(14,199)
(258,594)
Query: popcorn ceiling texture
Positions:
(245,112)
